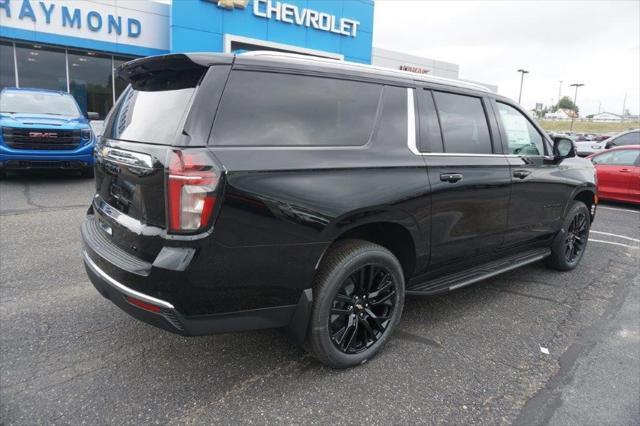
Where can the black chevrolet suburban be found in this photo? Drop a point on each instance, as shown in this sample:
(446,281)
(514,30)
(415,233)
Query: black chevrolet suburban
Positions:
(270,190)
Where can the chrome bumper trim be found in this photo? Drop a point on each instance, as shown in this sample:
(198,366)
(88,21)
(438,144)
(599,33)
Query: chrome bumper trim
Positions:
(123,288)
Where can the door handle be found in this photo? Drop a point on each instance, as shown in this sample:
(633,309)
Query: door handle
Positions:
(625,171)
(451,177)
(521,173)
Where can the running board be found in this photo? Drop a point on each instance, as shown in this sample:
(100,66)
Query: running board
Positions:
(478,273)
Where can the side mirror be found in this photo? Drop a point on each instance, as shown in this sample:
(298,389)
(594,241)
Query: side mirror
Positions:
(93,116)
(609,145)
(563,147)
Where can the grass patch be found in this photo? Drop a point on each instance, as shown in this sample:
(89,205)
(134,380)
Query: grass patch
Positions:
(588,126)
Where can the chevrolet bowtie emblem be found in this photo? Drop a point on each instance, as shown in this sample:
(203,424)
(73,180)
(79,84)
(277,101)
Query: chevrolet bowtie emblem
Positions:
(230,4)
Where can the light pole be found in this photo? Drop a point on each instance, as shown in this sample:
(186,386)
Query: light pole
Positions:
(522,72)
(575,98)
(560,91)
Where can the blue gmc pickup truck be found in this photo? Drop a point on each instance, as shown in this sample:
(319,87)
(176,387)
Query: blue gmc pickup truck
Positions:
(44,129)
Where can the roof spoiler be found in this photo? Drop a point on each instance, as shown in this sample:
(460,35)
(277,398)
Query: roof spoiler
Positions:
(174,63)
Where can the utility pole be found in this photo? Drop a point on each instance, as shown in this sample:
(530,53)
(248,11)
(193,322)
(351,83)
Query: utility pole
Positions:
(624,104)
(575,98)
(560,91)
(522,72)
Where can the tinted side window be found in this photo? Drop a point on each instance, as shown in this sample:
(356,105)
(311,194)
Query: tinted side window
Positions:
(391,129)
(269,109)
(626,157)
(430,136)
(632,138)
(522,137)
(464,124)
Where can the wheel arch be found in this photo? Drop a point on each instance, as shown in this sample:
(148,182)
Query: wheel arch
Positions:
(397,237)
(587,196)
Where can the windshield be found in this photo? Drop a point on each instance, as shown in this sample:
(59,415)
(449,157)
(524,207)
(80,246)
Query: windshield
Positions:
(38,103)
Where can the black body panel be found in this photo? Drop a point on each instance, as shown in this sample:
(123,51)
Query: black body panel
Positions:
(469,216)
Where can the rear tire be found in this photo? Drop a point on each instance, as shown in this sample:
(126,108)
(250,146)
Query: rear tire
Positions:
(571,242)
(358,296)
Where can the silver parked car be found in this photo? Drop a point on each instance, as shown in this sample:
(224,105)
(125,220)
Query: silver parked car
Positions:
(629,137)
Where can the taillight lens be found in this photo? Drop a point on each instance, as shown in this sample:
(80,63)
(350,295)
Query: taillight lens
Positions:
(192,181)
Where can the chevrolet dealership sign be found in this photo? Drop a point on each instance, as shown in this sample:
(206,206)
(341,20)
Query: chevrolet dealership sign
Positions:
(292,14)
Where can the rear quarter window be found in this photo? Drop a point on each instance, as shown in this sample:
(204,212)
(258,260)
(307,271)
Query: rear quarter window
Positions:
(270,109)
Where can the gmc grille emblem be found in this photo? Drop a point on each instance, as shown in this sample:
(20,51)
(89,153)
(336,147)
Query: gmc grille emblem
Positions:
(42,135)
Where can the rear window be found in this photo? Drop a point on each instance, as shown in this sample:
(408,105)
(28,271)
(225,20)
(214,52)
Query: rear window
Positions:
(268,109)
(464,124)
(153,110)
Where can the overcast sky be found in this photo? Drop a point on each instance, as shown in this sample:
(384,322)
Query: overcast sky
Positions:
(592,42)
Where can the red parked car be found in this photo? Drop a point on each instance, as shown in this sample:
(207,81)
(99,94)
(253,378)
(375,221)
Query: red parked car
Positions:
(618,172)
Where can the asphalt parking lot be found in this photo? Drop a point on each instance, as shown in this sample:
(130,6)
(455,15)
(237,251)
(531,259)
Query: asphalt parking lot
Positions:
(68,356)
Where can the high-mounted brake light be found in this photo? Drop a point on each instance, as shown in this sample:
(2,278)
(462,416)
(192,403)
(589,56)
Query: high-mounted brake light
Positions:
(191,189)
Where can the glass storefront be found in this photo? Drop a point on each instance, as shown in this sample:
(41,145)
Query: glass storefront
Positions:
(88,76)
(42,68)
(91,81)
(7,68)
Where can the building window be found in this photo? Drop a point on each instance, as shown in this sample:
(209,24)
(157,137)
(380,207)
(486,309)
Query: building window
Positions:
(88,76)
(41,67)
(7,68)
(91,81)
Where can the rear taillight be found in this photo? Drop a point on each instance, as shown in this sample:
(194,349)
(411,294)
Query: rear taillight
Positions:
(192,180)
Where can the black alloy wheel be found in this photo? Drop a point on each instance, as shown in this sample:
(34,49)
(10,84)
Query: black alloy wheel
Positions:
(358,296)
(570,243)
(576,239)
(362,309)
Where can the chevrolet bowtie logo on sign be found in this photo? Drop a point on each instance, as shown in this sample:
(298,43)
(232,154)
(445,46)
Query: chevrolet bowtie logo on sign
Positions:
(231,4)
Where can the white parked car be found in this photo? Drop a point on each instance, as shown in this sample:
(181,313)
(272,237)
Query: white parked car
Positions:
(586,148)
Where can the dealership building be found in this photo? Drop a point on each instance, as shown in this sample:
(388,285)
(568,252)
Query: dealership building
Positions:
(75,45)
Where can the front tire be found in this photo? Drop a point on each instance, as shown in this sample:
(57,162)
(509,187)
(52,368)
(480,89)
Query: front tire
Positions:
(358,296)
(571,242)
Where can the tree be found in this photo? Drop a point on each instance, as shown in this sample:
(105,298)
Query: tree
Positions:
(566,103)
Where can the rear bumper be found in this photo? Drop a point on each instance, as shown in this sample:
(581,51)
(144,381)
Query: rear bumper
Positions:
(168,317)
(118,292)
(156,295)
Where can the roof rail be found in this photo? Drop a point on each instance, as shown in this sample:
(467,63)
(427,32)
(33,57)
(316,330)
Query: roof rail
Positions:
(337,63)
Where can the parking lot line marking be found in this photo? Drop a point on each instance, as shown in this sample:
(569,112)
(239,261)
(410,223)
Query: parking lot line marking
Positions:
(616,235)
(615,244)
(619,210)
